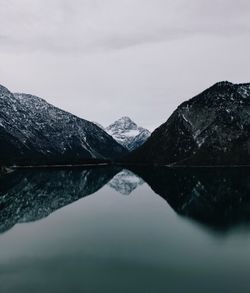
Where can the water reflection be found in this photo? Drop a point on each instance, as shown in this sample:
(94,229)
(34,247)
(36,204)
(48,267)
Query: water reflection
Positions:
(217,198)
(31,195)
(125,182)
(112,243)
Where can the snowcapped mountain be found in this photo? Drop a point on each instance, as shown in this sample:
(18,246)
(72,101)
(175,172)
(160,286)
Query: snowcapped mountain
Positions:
(212,128)
(34,131)
(125,182)
(127,133)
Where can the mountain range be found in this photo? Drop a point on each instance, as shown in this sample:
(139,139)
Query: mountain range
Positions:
(213,128)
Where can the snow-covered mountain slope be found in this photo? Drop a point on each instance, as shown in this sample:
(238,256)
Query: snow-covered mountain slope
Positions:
(212,128)
(125,182)
(127,133)
(34,131)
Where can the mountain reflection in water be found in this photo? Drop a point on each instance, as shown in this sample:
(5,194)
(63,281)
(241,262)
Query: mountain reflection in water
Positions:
(31,195)
(218,198)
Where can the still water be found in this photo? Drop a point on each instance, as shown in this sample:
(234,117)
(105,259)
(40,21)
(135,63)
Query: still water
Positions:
(113,230)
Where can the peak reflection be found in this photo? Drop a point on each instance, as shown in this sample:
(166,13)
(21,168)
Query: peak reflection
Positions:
(125,182)
(218,198)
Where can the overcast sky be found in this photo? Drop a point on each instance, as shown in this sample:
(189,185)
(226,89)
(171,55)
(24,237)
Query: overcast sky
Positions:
(103,59)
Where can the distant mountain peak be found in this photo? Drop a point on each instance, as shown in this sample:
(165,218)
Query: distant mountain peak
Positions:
(123,123)
(127,133)
(125,119)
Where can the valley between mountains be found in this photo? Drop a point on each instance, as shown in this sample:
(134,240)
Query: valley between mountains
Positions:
(211,129)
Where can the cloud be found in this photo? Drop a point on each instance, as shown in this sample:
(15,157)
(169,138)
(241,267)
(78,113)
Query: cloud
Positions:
(93,25)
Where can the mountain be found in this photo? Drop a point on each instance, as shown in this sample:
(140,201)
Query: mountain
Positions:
(125,182)
(127,133)
(212,128)
(33,131)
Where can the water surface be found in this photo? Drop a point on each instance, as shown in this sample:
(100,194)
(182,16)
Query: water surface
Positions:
(113,230)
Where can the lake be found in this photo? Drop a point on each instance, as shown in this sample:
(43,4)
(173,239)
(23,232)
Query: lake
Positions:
(108,229)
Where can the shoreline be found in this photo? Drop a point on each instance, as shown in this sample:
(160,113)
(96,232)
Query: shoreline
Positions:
(55,166)
(59,166)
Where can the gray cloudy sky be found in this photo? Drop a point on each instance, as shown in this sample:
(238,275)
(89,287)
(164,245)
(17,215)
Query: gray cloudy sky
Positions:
(102,59)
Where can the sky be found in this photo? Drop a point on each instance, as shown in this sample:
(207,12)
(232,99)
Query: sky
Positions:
(103,59)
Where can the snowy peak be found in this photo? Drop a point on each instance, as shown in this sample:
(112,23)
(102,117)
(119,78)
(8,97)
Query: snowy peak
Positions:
(127,133)
(124,124)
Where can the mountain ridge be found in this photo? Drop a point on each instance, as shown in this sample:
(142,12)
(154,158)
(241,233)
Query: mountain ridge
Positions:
(32,131)
(212,128)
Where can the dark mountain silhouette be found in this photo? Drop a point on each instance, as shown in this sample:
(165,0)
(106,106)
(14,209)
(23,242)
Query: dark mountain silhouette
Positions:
(213,128)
